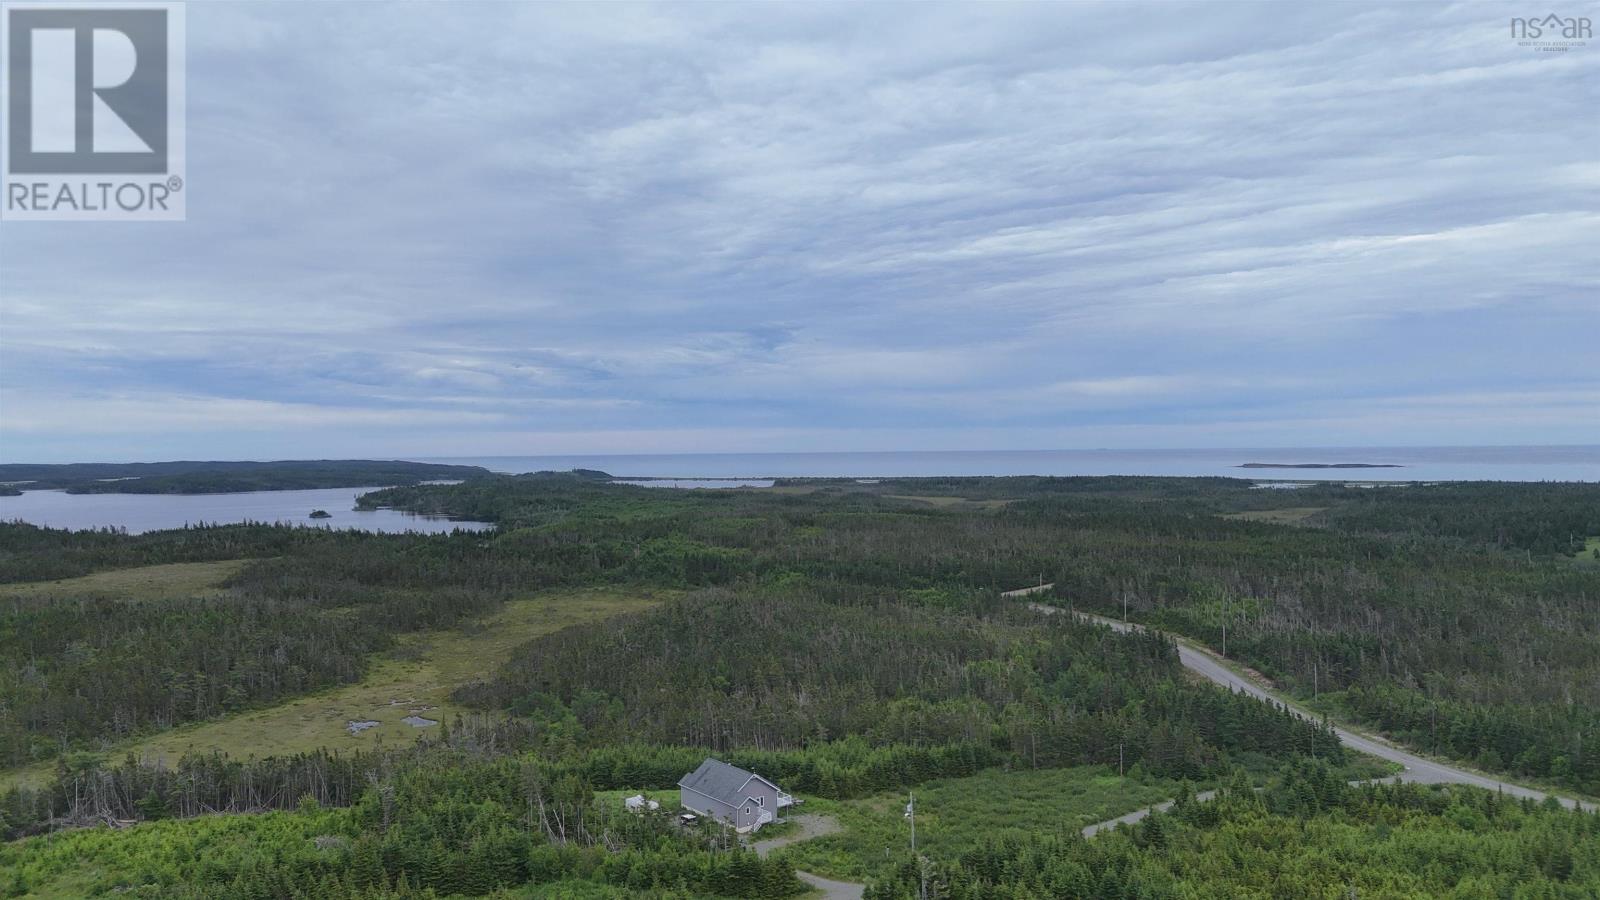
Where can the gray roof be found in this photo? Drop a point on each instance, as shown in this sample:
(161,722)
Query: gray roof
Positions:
(719,780)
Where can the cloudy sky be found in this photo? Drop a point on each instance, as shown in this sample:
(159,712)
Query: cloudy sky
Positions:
(518,229)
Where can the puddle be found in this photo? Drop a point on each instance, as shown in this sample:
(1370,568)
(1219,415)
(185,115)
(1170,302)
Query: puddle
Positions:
(419,722)
(358,727)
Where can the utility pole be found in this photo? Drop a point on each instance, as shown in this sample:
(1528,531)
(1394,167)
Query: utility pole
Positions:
(1225,611)
(922,864)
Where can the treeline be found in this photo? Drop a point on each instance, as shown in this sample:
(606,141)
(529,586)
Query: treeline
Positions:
(79,672)
(1310,836)
(1489,650)
(839,640)
(447,821)
(1539,518)
(31,553)
(777,666)
(217,477)
(836,691)
(1431,596)
(88,789)
(538,499)
(1540,742)
(1488,655)
(455,826)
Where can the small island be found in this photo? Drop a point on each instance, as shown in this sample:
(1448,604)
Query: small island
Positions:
(321,514)
(1261,465)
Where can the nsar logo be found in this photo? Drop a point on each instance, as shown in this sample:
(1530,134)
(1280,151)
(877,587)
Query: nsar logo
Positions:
(1553,33)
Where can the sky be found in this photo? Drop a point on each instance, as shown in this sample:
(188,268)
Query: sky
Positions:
(458,230)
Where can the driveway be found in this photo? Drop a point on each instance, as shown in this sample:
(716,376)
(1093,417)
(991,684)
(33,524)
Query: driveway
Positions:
(812,826)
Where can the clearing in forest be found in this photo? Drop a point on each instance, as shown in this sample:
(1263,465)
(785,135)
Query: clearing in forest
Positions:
(945,502)
(197,579)
(1293,515)
(412,680)
(957,814)
(1590,554)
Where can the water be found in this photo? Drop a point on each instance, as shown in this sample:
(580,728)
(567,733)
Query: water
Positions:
(149,512)
(139,513)
(1417,464)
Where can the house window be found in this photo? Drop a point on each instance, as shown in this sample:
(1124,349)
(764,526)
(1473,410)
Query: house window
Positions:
(761,801)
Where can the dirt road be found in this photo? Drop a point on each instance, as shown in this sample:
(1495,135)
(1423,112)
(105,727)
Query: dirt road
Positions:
(1418,769)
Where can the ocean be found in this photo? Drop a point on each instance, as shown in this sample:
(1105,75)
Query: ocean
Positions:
(1569,463)
(147,512)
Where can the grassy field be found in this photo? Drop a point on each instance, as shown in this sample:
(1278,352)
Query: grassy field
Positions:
(943,502)
(1293,515)
(416,678)
(956,814)
(202,579)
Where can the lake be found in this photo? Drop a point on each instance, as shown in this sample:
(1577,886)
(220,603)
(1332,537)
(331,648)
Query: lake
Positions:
(149,512)
(1416,464)
(139,513)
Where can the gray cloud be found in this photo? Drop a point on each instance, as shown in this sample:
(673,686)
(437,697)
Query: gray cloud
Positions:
(482,228)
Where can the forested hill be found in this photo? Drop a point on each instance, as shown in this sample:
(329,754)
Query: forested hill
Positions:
(221,477)
(1459,617)
(848,640)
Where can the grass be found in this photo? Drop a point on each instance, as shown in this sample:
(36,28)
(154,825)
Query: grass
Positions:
(201,579)
(1291,515)
(415,678)
(943,502)
(668,798)
(1590,554)
(956,814)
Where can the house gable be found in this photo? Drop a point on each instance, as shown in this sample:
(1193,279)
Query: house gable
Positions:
(730,793)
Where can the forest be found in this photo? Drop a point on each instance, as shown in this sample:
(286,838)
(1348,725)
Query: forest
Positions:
(846,639)
(1454,616)
(1309,835)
